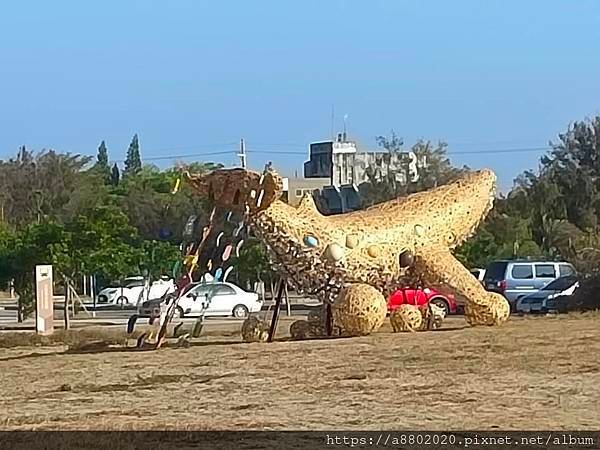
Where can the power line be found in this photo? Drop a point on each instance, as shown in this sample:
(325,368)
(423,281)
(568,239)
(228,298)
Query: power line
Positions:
(502,150)
(194,155)
(305,152)
(223,144)
(464,152)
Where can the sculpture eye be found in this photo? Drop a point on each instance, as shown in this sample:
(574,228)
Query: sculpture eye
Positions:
(406,259)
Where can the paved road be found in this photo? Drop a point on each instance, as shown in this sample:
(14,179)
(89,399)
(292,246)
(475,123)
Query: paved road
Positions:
(118,316)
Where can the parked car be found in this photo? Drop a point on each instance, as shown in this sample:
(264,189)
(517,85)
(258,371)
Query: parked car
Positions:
(544,300)
(422,297)
(517,278)
(222,299)
(133,291)
(478,273)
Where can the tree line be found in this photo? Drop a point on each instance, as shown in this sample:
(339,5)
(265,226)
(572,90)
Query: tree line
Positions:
(86,217)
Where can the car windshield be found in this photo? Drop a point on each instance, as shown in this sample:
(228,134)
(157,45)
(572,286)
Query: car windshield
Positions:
(560,284)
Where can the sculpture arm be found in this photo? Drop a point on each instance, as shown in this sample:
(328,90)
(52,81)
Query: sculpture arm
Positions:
(438,267)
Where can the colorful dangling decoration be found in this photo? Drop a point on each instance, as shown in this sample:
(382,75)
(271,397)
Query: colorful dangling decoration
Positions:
(176,187)
(219,238)
(238,247)
(227,253)
(239,228)
(261,195)
(227,272)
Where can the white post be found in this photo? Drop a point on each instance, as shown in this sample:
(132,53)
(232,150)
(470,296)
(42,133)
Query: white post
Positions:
(44,304)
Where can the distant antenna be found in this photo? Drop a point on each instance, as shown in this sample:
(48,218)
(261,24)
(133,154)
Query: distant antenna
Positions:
(345,118)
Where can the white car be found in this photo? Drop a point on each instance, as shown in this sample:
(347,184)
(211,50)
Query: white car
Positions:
(478,273)
(134,291)
(221,299)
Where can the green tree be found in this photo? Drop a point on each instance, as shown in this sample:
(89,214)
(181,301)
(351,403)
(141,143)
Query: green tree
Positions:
(148,201)
(133,161)
(438,169)
(20,252)
(102,157)
(115,175)
(38,187)
(253,264)
(434,169)
(102,166)
(159,258)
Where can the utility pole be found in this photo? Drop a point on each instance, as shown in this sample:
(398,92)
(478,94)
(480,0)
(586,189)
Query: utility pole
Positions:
(242,153)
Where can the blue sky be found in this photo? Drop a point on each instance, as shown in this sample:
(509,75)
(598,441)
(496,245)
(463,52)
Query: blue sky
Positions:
(192,77)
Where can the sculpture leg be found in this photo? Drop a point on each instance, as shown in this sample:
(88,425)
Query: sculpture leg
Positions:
(481,307)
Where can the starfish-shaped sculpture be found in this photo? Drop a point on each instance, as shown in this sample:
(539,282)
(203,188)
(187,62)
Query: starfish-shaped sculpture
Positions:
(403,242)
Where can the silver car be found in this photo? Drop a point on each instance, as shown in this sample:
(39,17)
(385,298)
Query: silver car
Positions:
(518,278)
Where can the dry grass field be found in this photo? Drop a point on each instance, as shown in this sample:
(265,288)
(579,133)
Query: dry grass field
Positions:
(541,373)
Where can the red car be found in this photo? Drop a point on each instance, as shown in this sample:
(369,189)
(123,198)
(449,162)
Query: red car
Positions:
(422,297)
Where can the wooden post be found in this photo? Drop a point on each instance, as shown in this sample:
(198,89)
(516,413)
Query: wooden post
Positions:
(287,300)
(275,317)
(76,296)
(329,320)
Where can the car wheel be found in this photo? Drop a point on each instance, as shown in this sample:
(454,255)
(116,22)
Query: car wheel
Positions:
(122,300)
(240,311)
(178,313)
(513,305)
(440,302)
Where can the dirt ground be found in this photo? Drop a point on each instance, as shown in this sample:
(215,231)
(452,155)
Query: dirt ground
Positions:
(532,373)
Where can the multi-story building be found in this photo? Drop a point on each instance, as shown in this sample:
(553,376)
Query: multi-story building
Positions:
(346,168)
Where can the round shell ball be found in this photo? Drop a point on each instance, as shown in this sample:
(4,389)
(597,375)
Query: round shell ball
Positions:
(334,252)
(351,241)
(373,251)
(311,241)
(360,310)
(300,329)
(255,330)
(406,318)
